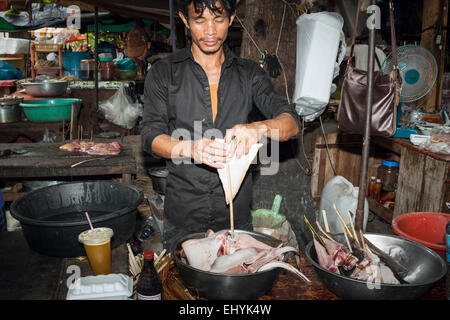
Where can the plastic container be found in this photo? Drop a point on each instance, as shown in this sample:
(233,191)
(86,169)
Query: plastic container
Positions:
(53,217)
(344,195)
(447,237)
(126,64)
(87,69)
(107,68)
(388,173)
(113,286)
(49,110)
(319,36)
(427,228)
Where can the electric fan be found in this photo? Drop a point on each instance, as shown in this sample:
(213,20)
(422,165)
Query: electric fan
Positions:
(418,69)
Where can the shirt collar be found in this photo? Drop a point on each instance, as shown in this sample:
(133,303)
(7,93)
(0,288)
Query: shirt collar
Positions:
(186,53)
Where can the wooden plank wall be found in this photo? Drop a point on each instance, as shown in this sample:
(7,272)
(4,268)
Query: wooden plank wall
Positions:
(435,12)
(422,184)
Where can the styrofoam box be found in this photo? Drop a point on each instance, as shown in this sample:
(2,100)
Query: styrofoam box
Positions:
(14,46)
(115,286)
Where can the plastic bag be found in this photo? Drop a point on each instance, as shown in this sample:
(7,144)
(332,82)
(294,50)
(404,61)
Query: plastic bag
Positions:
(8,72)
(120,110)
(439,141)
(340,192)
(320,49)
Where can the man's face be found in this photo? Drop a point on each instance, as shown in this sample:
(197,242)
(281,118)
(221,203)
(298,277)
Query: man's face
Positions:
(209,29)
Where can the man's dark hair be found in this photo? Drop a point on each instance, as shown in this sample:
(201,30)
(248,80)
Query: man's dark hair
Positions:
(200,5)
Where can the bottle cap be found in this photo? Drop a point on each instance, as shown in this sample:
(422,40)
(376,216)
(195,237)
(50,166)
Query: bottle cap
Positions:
(372,178)
(389,163)
(379,180)
(148,255)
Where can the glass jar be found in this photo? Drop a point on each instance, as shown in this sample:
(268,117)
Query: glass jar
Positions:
(388,173)
(87,69)
(107,67)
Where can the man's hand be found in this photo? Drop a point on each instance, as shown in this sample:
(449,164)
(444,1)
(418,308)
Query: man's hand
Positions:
(210,152)
(243,136)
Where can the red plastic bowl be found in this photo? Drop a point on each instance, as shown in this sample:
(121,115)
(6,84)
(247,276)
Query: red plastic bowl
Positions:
(427,228)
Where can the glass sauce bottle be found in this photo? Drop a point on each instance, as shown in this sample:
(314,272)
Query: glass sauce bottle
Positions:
(149,285)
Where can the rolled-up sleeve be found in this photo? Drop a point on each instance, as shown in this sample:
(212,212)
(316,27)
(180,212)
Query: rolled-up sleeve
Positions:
(267,100)
(154,119)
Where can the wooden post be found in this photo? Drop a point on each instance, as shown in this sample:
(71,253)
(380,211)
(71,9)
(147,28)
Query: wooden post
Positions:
(435,13)
(366,143)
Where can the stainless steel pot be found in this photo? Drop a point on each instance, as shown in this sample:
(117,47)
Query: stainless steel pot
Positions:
(10,111)
(46,88)
(159,176)
(218,286)
(425,268)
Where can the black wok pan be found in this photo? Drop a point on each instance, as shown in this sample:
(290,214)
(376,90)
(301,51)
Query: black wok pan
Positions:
(217,286)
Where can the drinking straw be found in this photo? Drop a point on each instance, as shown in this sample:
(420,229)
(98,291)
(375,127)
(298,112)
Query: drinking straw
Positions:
(90,224)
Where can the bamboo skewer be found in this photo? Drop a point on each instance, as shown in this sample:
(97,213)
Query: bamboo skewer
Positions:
(314,233)
(342,220)
(231,202)
(351,223)
(160,256)
(362,240)
(133,262)
(320,228)
(84,161)
(346,238)
(325,221)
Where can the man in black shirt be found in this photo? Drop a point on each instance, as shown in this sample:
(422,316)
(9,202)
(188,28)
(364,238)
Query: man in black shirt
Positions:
(198,94)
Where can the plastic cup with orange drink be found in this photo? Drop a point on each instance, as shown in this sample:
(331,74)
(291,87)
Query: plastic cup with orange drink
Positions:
(97,243)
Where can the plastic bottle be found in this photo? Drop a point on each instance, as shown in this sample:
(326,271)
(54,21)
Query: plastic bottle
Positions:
(371,186)
(147,229)
(149,285)
(377,190)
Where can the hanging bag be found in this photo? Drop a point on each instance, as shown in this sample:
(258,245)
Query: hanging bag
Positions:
(386,93)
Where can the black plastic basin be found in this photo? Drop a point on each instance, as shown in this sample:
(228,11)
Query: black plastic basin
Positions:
(53,217)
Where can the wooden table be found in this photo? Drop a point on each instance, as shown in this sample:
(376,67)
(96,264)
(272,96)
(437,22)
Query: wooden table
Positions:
(45,160)
(423,180)
(26,274)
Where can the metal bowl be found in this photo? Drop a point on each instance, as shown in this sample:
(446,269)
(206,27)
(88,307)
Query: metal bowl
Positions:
(46,88)
(425,268)
(218,286)
(159,177)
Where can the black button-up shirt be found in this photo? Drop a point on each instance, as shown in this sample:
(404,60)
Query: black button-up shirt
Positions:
(178,103)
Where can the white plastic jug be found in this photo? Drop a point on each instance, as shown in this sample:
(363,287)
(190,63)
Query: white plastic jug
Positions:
(344,195)
(319,38)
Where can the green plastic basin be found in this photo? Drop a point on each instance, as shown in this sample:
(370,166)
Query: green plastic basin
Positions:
(49,110)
